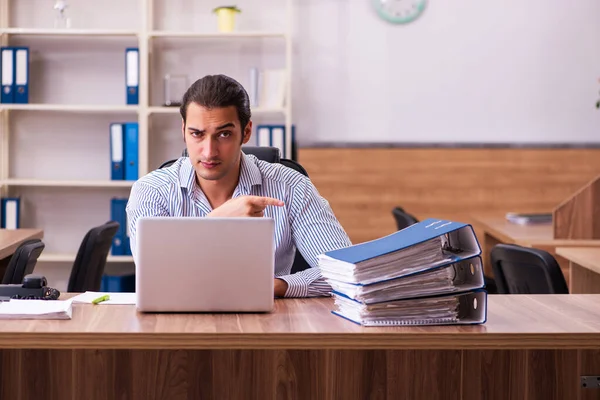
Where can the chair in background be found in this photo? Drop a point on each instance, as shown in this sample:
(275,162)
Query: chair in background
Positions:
(524,270)
(403,219)
(90,262)
(23,261)
(272,155)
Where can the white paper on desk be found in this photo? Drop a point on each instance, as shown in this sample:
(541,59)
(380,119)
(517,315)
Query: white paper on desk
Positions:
(36,309)
(116,298)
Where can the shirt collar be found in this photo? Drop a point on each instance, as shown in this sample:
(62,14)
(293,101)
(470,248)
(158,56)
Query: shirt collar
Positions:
(249,174)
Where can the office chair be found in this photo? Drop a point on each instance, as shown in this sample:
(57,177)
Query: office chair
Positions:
(89,264)
(22,262)
(272,155)
(524,270)
(403,219)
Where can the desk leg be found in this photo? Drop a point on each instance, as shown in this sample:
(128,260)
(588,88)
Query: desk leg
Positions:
(583,280)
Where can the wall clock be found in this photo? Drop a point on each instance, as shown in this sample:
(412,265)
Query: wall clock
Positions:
(399,11)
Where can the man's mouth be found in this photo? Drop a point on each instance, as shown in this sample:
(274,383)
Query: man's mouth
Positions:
(209,164)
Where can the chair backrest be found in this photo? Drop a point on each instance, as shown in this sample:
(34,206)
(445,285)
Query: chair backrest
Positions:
(272,155)
(89,264)
(23,261)
(403,219)
(524,270)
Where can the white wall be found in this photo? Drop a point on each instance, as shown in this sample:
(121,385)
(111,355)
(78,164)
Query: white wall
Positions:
(466,71)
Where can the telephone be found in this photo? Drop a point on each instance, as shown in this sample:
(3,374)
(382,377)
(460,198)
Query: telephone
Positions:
(33,287)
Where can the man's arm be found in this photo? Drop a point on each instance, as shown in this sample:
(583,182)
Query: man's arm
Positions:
(315,230)
(144,201)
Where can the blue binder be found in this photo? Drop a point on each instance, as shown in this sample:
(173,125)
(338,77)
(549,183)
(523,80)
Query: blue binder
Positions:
(21,75)
(417,233)
(132,75)
(118,283)
(131,151)
(7,74)
(420,247)
(117,213)
(117,153)
(10,213)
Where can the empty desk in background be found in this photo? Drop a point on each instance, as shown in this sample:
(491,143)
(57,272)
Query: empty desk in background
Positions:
(498,230)
(532,347)
(584,268)
(10,240)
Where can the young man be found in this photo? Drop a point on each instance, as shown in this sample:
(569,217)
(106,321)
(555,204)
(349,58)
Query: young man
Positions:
(219,180)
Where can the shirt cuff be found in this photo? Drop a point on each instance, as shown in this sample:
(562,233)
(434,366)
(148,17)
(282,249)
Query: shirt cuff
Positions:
(297,287)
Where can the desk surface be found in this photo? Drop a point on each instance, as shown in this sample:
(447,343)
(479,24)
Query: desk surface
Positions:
(526,235)
(11,239)
(587,257)
(518,322)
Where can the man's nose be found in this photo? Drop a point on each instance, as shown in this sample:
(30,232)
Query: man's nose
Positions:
(210,148)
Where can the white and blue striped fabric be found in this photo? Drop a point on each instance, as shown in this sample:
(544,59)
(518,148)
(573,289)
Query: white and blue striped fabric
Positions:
(306,220)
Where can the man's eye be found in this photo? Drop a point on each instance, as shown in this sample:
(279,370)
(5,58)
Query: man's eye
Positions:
(225,134)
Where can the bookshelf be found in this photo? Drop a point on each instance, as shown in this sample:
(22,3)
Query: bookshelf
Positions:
(54,151)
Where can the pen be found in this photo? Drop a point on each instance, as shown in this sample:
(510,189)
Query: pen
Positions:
(101,299)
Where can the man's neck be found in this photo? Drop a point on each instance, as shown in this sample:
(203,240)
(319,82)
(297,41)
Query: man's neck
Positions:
(219,191)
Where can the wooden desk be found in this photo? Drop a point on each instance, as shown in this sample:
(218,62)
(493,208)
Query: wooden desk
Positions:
(532,347)
(10,239)
(584,268)
(497,230)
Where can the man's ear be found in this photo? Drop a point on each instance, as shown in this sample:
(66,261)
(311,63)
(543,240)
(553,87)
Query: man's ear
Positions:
(183,129)
(247,133)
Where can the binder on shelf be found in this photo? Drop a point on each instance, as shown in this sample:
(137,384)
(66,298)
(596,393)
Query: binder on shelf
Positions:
(127,232)
(10,213)
(278,139)
(132,74)
(21,79)
(117,283)
(117,155)
(117,213)
(276,136)
(7,68)
(453,309)
(131,147)
(263,135)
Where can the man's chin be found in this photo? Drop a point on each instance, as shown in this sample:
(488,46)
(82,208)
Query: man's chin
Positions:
(211,175)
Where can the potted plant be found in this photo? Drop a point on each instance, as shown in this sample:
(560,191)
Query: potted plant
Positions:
(226,17)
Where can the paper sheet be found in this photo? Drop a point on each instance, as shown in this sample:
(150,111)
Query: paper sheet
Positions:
(116,298)
(36,309)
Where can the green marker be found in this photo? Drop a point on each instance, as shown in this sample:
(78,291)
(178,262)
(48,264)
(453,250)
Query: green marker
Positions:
(101,299)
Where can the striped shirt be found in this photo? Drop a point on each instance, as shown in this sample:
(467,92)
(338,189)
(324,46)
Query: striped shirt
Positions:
(305,222)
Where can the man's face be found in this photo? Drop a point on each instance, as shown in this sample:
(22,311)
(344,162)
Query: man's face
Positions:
(214,140)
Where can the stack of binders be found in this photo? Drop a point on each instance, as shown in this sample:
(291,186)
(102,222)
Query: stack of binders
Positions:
(427,274)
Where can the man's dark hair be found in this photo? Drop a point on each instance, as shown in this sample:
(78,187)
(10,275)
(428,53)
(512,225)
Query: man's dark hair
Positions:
(218,91)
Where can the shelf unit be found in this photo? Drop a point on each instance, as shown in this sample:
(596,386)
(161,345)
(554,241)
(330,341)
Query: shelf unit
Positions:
(146,30)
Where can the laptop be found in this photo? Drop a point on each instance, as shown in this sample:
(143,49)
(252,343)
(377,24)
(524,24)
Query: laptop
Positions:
(189,264)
